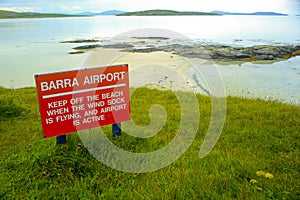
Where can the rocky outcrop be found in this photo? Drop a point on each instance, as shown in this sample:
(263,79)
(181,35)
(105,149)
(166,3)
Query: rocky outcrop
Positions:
(216,52)
(114,46)
(80,41)
(227,53)
(85,47)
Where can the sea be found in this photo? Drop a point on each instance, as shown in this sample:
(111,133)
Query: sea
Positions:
(33,46)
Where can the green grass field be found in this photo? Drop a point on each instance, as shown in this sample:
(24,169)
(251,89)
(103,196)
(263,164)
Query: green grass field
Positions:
(257,136)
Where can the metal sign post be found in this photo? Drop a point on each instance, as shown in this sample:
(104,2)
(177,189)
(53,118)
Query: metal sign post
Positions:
(62,139)
(116,129)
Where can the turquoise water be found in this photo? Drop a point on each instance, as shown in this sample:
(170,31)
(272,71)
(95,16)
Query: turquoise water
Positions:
(30,46)
(278,81)
(208,28)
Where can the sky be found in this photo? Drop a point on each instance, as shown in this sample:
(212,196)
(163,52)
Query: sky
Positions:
(291,7)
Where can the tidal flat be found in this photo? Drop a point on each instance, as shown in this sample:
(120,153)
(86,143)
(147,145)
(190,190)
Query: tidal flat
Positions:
(267,72)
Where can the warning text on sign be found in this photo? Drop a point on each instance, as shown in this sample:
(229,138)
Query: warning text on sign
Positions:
(82,99)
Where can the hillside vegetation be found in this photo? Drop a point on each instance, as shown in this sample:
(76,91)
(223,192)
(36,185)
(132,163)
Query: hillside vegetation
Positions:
(163,13)
(10,15)
(256,157)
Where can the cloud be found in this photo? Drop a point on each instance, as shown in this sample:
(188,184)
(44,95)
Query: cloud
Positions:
(70,8)
(21,8)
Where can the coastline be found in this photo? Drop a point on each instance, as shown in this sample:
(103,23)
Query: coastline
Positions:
(268,79)
(150,59)
(217,52)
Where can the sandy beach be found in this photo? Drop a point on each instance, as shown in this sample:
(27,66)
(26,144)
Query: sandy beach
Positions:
(166,70)
(158,69)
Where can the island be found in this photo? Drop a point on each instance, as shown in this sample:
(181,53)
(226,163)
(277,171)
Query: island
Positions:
(4,14)
(254,13)
(164,13)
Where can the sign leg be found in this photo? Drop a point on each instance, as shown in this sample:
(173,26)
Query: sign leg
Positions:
(61,139)
(116,129)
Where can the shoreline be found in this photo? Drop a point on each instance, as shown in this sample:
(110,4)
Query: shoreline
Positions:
(165,70)
(269,78)
(221,53)
(248,80)
(265,79)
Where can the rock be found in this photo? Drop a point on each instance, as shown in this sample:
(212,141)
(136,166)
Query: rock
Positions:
(144,50)
(151,38)
(219,46)
(297,53)
(297,47)
(76,52)
(283,50)
(264,57)
(114,46)
(239,55)
(265,51)
(223,54)
(92,46)
(118,46)
(203,55)
(80,41)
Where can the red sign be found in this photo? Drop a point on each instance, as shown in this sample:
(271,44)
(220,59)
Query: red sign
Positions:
(81,99)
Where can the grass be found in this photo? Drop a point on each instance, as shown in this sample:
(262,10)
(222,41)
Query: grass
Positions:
(257,135)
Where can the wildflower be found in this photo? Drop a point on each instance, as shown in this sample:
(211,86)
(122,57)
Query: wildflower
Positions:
(268,175)
(260,173)
(253,181)
(79,145)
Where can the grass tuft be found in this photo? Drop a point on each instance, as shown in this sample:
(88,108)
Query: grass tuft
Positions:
(9,109)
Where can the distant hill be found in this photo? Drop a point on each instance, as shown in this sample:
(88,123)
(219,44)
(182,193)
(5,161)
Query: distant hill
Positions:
(10,15)
(111,12)
(255,13)
(107,12)
(87,13)
(164,13)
